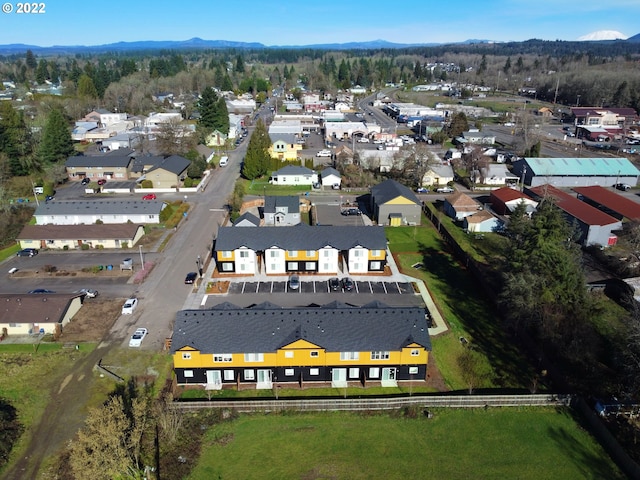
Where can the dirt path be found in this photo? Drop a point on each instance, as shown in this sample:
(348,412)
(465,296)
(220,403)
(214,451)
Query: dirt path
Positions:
(62,418)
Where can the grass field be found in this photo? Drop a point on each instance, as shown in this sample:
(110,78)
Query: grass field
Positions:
(454,444)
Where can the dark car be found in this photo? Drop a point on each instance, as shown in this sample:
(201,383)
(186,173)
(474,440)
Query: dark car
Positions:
(334,284)
(347,284)
(351,211)
(27,252)
(85,181)
(622,186)
(191,277)
(102,181)
(41,290)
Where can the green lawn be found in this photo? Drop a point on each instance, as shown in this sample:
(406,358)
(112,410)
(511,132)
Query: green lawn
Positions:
(541,443)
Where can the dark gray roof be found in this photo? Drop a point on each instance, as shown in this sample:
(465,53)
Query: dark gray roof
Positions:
(174,164)
(329,171)
(272,202)
(148,162)
(293,170)
(82,161)
(389,189)
(100,207)
(264,330)
(248,219)
(288,138)
(302,237)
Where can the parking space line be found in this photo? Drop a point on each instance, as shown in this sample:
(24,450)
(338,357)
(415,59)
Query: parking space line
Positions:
(243,285)
(384,287)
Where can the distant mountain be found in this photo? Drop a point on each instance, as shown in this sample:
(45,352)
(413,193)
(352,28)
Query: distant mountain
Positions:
(372,45)
(603,35)
(635,38)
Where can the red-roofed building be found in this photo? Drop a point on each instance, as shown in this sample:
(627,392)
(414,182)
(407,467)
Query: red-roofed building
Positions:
(505,200)
(596,226)
(609,202)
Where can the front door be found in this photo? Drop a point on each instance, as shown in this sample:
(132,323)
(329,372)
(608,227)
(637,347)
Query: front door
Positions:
(389,377)
(339,377)
(264,379)
(214,380)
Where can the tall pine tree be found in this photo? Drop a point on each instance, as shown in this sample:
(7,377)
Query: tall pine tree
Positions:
(56,144)
(256,161)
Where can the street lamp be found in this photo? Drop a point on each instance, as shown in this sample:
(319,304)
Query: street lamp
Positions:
(141,257)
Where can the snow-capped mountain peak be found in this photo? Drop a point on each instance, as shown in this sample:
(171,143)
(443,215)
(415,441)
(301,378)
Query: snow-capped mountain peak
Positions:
(603,35)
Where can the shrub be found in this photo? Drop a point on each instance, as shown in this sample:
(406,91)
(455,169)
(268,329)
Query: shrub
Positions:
(146,184)
(99,222)
(85,246)
(65,247)
(125,244)
(50,268)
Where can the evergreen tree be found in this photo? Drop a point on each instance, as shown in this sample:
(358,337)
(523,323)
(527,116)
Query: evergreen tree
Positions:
(42,73)
(214,114)
(56,144)
(239,64)
(15,140)
(256,161)
(86,87)
(30,59)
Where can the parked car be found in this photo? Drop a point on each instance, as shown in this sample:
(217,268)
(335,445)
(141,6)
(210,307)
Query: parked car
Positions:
(334,284)
(129,306)
(445,190)
(102,181)
(88,292)
(137,337)
(294,282)
(27,252)
(363,140)
(48,198)
(351,211)
(149,196)
(191,277)
(422,190)
(347,284)
(622,186)
(41,290)
(323,153)
(85,181)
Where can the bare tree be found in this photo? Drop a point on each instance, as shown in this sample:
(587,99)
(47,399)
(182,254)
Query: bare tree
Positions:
(174,139)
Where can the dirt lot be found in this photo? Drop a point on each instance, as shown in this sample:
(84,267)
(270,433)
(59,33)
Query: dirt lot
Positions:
(93,321)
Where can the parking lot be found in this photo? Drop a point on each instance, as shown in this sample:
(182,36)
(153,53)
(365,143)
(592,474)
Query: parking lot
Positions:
(321,286)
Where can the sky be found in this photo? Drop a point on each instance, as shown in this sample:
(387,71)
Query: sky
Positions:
(307,22)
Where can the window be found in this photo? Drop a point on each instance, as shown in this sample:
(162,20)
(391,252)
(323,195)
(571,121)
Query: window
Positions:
(358,253)
(227,267)
(325,253)
(375,253)
(379,355)
(292,253)
(249,375)
(188,374)
(374,372)
(314,354)
(354,372)
(228,375)
(349,356)
(222,357)
(293,266)
(314,371)
(274,253)
(254,357)
(309,266)
(376,266)
(415,352)
(288,372)
(413,370)
(226,254)
(186,356)
(310,253)
(288,354)
(244,254)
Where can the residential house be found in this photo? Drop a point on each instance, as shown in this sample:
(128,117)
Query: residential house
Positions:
(294,175)
(505,200)
(459,205)
(79,132)
(281,210)
(476,137)
(61,237)
(394,205)
(284,147)
(169,173)
(330,177)
(595,226)
(96,167)
(437,175)
(267,346)
(301,248)
(33,314)
(481,221)
(216,139)
(495,174)
(575,172)
(104,211)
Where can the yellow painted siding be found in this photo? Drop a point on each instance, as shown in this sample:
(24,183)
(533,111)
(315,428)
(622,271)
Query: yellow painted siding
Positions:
(382,254)
(300,357)
(222,258)
(400,201)
(300,255)
(407,358)
(364,358)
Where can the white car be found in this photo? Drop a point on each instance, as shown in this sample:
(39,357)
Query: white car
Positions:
(363,140)
(137,337)
(323,153)
(445,190)
(129,306)
(88,292)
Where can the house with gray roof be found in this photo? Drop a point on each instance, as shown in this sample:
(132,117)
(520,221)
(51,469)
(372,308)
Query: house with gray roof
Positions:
(96,167)
(294,175)
(66,237)
(37,313)
(330,177)
(394,204)
(247,219)
(168,173)
(281,210)
(102,211)
(301,248)
(334,345)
